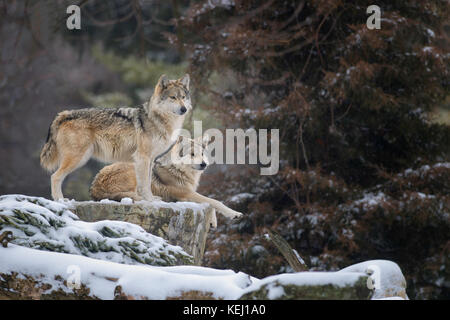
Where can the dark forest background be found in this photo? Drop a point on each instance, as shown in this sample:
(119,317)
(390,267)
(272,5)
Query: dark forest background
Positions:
(363,115)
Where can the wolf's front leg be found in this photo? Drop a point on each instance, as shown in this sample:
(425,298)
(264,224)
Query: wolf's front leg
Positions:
(144,166)
(219,206)
(151,196)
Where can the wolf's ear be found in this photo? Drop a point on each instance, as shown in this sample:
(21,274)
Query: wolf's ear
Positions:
(185,81)
(177,146)
(206,140)
(179,140)
(162,83)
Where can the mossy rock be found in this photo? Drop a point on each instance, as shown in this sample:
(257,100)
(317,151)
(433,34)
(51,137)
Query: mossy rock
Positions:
(278,291)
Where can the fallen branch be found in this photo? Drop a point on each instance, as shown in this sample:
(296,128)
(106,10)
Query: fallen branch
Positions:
(291,255)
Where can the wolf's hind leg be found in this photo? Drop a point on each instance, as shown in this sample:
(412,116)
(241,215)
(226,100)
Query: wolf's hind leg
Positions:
(118,196)
(69,163)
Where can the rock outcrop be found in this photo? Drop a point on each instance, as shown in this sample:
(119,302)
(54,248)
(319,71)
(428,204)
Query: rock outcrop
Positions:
(51,226)
(36,274)
(311,286)
(53,254)
(183,224)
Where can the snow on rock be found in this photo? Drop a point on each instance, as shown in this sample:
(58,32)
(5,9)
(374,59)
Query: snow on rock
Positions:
(310,285)
(47,225)
(387,278)
(185,224)
(126,201)
(176,206)
(374,279)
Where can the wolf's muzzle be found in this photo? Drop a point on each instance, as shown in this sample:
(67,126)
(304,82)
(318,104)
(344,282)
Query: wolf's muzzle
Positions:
(183,110)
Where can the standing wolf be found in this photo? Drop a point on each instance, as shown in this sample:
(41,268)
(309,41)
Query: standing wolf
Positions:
(112,135)
(175,178)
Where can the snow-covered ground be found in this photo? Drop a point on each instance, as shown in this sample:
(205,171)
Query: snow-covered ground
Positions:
(104,255)
(139,281)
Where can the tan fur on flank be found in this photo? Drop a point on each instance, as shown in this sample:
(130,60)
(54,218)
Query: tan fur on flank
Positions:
(135,135)
(172,180)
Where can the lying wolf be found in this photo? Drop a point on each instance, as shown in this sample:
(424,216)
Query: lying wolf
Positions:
(136,135)
(175,177)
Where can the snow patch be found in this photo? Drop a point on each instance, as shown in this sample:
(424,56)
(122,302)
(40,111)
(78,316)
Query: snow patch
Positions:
(370,200)
(241,196)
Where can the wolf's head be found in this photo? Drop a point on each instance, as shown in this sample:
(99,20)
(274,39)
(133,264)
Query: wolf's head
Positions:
(172,95)
(187,154)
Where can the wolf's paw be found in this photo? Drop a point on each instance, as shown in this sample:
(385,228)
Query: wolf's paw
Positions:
(237,215)
(213,219)
(134,197)
(152,198)
(213,223)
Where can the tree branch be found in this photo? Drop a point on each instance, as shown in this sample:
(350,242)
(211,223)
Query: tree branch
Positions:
(291,255)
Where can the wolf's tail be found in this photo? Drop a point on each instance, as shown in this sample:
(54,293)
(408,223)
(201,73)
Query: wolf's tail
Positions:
(49,153)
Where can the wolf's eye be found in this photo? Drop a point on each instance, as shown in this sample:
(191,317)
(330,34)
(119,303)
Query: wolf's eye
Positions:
(183,97)
(172,97)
